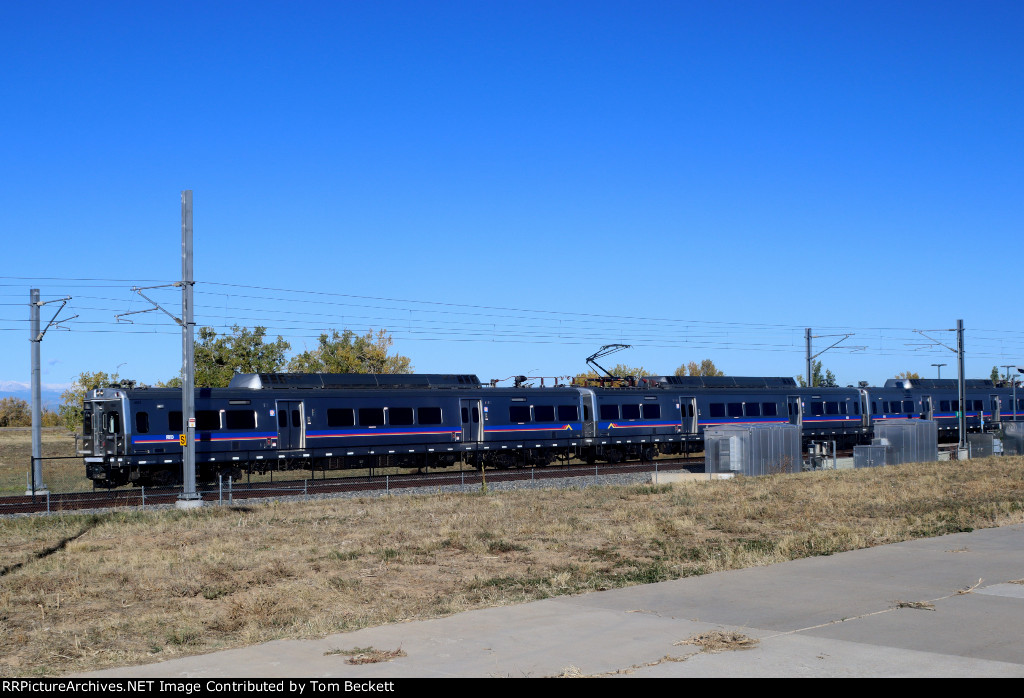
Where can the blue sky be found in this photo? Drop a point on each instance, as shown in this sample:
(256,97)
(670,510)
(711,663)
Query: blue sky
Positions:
(508,186)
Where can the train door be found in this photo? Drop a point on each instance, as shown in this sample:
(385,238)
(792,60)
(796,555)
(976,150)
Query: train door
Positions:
(865,408)
(795,412)
(688,414)
(289,424)
(472,424)
(994,403)
(927,407)
(589,412)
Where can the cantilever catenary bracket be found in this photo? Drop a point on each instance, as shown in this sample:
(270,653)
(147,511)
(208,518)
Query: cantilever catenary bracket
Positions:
(156,306)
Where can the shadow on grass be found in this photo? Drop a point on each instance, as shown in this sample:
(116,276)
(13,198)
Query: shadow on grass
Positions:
(56,547)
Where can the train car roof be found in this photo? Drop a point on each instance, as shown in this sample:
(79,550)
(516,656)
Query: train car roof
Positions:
(723,381)
(937,383)
(285,381)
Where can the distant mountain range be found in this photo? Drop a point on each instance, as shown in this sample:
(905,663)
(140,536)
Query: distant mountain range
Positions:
(49,393)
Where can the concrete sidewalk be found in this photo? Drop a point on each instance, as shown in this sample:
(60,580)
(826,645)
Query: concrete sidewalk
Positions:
(895,610)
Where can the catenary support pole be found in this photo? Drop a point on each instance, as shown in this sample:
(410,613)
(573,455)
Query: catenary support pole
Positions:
(36,338)
(189,497)
(961,385)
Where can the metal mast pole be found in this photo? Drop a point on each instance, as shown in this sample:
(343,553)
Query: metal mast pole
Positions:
(961,385)
(807,337)
(37,451)
(189,497)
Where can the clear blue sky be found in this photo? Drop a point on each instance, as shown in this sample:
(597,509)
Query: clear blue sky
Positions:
(507,186)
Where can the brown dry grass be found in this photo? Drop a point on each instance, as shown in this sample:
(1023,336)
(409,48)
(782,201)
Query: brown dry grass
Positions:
(80,592)
(720,641)
(62,472)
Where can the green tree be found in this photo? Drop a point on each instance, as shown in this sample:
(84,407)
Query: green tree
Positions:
(218,358)
(15,412)
(619,370)
(347,352)
(70,409)
(996,379)
(828,380)
(704,368)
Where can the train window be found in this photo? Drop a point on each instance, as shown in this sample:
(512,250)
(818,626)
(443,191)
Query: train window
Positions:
(371,416)
(955,405)
(586,412)
(856,407)
(874,408)
(1020,403)
(944,406)
(282,419)
(753,409)
(769,409)
(544,413)
(735,409)
(207,420)
(716,409)
(296,419)
(817,408)
(518,412)
(652,411)
(831,407)
(240,419)
(340,417)
(568,413)
(631,411)
(609,411)
(465,415)
(113,423)
(142,422)
(429,415)
(977,405)
(400,416)
(908,405)
(174,421)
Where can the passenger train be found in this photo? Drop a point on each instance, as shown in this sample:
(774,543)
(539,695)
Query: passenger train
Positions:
(280,421)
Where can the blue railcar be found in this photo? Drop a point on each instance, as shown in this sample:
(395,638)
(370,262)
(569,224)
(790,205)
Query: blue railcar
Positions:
(327,421)
(285,421)
(985,405)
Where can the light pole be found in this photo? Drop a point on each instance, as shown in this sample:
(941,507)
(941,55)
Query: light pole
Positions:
(939,367)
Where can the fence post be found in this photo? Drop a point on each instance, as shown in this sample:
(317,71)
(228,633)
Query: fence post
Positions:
(143,497)
(220,488)
(387,484)
(230,491)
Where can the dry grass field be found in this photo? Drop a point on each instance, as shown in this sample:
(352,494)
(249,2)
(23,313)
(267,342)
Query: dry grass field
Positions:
(80,592)
(62,472)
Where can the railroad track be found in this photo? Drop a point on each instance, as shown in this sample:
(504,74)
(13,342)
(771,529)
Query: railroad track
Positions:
(230,492)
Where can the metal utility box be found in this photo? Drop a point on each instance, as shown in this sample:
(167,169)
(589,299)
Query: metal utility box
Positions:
(980,445)
(752,449)
(868,456)
(908,440)
(1013,438)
